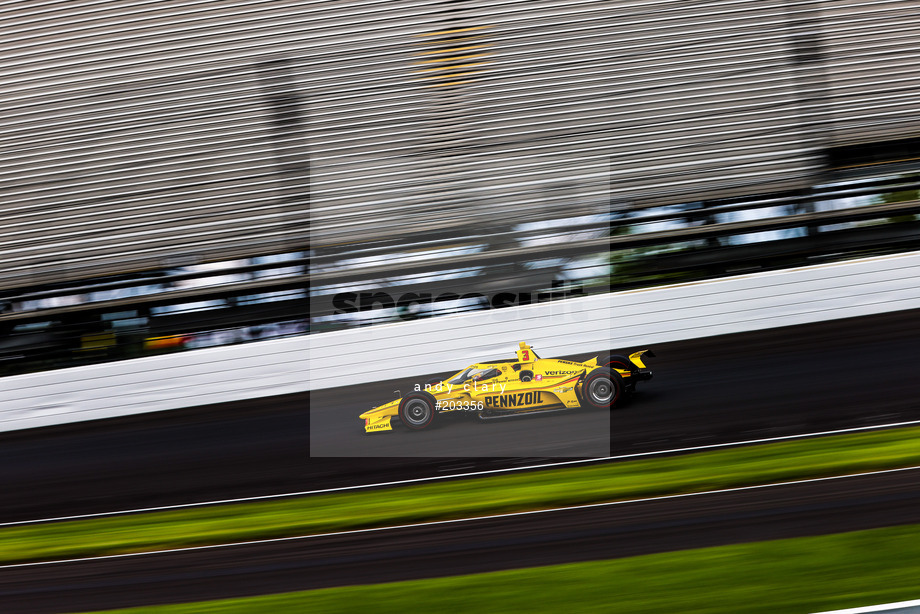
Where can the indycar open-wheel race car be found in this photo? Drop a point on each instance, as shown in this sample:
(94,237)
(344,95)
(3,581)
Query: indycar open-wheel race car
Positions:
(505,387)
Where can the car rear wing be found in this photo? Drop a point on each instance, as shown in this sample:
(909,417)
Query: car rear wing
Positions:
(636,358)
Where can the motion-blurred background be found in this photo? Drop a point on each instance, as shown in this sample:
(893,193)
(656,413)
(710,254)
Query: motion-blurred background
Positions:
(229,227)
(180,175)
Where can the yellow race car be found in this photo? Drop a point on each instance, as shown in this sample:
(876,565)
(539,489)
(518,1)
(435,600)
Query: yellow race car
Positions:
(525,384)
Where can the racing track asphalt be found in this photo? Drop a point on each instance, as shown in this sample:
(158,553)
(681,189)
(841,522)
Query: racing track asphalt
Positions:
(628,529)
(785,381)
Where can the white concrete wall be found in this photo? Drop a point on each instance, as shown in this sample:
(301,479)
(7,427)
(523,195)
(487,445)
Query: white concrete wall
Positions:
(155,383)
(901,607)
(620,320)
(408,349)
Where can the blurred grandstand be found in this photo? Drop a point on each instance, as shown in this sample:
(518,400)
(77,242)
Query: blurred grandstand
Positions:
(182,174)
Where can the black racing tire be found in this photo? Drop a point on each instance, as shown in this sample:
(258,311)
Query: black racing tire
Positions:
(417,410)
(602,389)
(616,361)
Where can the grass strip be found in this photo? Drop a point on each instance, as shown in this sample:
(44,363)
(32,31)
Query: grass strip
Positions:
(809,574)
(761,464)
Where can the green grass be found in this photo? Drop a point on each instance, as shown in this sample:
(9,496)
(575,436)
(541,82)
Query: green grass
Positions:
(790,576)
(461,498)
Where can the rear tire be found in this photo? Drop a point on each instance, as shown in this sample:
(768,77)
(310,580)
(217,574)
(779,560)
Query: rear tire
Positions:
(602,389)
(417,410)
(615,361)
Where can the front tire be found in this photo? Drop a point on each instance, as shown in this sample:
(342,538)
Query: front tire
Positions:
(602,388)
(417,410)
